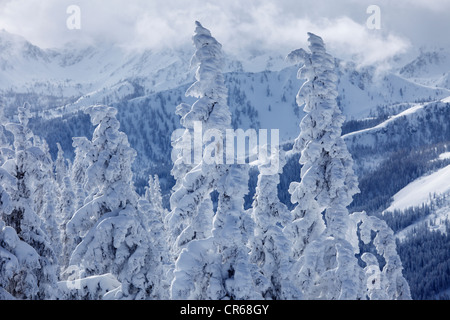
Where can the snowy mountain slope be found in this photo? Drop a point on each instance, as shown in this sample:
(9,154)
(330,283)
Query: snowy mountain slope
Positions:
(421,190)
(362,91)
(370,136)
(430,190)
(422,244)
(431,67)
(435,221)
(72,72)
(400,149)
(420,124)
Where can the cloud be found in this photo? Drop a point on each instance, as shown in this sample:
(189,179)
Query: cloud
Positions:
(346,38)
(243,27)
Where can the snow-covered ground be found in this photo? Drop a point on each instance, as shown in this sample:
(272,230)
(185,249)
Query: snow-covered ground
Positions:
(444,156)
(419,191)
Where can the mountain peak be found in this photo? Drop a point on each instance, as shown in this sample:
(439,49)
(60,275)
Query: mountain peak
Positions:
(428,63)
(8,37)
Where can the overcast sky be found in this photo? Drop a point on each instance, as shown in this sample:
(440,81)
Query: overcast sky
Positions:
(242,26)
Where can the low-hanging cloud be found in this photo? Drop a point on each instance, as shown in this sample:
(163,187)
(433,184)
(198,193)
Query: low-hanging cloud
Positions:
(243,27)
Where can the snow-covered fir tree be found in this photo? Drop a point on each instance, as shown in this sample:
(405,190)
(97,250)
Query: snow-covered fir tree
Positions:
(226,271)
(114,239)
(37,276)
(383,276)
(77,179)
(324,235)
(232,228)
(219,267)
(152,216)
(79,167)
(45,193)
(191,216)
(182,163)
(10,245)
(66,208)
(60,166)
(191,201)
(19,263)
(271,249)
(66,203)
(328,266)
(153,194)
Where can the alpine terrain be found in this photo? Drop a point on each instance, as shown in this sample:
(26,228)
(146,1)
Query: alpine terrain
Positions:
(95,202)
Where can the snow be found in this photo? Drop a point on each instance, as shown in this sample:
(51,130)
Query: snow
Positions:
(93,287)
(444,156)
(418,192)
(429,68)
(446,100)
(369,131)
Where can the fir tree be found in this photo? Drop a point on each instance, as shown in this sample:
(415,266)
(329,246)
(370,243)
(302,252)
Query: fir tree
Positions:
(271,249)
(226,272)
(45,194)
(384,281)
(327,264)
(114,239)
(78,173)
(212,112)
(37,279)
(326,236)
(19,263)
(66,203)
